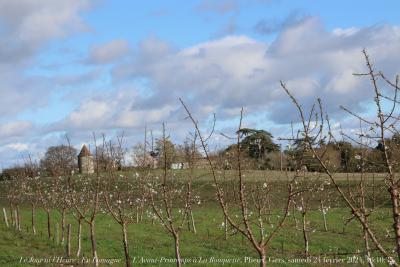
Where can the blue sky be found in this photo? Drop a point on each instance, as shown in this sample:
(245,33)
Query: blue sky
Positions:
(77,67)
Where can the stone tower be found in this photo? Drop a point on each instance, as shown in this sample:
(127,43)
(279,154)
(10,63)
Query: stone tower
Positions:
(85,161)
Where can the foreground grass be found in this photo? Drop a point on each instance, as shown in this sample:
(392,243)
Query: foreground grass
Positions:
(149,242)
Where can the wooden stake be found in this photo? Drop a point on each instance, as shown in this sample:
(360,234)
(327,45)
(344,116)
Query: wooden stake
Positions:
(5,217)
(69,240)
(15,220)
(18,219)
(11,215)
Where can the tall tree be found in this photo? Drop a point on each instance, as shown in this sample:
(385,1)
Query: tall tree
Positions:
(59,160)
(257,142)
(169,155)
(347,154)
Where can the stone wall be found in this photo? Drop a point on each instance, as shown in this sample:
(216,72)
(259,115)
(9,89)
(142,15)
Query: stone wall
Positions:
(86,164)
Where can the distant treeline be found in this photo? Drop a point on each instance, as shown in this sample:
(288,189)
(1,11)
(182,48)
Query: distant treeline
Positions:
(257,149)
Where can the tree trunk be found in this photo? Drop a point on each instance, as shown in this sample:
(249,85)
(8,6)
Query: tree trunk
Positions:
(126,249)
(187,215)
(93,241)
(225,228)
(48,223)
(305,237)
(33,219)
(177,251)
(263,260)
(78,252)
(18,219)
(368,252)
(69,241)
(394,193)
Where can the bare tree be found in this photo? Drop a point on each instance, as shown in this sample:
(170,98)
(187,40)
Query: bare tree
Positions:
(252,229)
(86,198)
(305,188)
(121,193)
(47,198)
(315,128)
(63,203)
(32,195)
(79,200)
(59,160)
(170,199)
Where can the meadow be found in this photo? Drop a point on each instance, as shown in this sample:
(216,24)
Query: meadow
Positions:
(151,245)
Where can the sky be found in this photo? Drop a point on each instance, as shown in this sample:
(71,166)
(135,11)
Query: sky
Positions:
(110,67)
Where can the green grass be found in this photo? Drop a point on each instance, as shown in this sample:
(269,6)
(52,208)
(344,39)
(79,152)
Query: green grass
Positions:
(204,175)
(148,241)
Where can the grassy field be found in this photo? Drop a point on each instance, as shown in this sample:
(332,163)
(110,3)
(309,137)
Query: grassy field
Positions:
(203,175)
(151,245)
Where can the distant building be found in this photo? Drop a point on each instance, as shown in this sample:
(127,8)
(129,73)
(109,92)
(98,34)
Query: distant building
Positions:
(85,161)
(179,165)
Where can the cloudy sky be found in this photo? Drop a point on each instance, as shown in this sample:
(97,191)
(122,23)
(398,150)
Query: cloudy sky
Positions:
(78,67)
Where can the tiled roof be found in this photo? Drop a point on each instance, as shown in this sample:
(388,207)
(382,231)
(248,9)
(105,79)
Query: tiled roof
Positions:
(84,152)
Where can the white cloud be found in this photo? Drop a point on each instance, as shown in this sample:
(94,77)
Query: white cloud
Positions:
(237,71)
(111,111)
(28,24)
(222,75)
(90,113)
(345,32)
(18,146)
(15,128)
(109,52)
(26,27)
